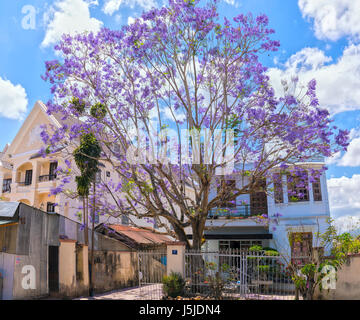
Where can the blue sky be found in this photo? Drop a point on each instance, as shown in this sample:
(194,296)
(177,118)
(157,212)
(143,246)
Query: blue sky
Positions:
(319,39)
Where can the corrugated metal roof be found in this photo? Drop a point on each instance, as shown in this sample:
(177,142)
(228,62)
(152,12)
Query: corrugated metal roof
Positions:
(8,209)
(140,236)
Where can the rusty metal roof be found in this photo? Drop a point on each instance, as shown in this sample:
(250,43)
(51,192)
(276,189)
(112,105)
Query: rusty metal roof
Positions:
(135,238)
(141,236)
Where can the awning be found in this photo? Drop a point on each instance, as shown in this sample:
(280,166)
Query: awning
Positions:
(242,236)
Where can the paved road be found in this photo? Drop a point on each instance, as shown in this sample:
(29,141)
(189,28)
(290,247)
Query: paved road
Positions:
(149,292)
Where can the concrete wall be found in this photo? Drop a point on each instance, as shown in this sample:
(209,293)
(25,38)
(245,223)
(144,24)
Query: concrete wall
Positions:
(28,245)
(36,231)
(7,263)
(115,270)
(8,237)
(67,268)
(347,284)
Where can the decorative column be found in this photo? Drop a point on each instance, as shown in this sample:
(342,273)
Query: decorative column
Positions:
(285,188)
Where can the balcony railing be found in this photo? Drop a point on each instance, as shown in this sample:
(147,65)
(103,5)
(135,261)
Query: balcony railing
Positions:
(236,212)
(24,183)
(6,189)
(48,177)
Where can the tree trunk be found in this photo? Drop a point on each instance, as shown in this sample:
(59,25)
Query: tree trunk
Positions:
(86,229)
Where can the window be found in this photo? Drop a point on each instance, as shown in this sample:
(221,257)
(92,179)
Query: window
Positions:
(98,176)
(50,207)
(301,247)
(258,201)
(124,220)
(7,185)
(28,177)
(108,174)
(228,185)
(316,186)
(278,188)
(52,170)
(298,188)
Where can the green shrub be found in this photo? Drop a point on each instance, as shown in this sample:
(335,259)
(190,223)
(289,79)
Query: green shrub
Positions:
(255,248)
(173,285)
(98,111)
(78,105)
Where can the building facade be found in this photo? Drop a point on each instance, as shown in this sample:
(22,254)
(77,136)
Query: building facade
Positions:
(27,177)
(292,225)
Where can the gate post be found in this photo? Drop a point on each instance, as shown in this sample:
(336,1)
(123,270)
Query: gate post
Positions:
(175,257)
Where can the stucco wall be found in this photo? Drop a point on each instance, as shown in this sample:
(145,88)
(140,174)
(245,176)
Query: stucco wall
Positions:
(115,270)
(347,284)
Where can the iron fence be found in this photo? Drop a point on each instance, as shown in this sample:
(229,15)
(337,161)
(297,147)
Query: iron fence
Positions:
(235,274)
(229,274)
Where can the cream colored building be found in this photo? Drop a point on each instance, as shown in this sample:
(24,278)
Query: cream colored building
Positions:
(27,177)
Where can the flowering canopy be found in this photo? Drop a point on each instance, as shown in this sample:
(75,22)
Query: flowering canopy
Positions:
(179,67)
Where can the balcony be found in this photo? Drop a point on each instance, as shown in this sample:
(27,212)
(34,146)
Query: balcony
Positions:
(48,177)
(24,183)
(242,211)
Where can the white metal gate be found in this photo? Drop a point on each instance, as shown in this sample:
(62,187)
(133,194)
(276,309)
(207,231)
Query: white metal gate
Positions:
(152,268)
(238,275)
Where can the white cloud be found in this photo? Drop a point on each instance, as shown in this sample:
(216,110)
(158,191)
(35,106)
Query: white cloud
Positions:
(112,6)
(231,2)
(351,157)
(69,17)
(347,223)
(333,19)
(130,20)
(173,115)
(344,196)
(338,81)
(118,18)
(13,100)
(334,159)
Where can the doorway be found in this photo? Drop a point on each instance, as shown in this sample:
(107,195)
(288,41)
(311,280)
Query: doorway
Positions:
(53,269)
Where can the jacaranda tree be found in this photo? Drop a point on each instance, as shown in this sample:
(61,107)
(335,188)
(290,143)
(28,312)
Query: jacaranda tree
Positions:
(183,67)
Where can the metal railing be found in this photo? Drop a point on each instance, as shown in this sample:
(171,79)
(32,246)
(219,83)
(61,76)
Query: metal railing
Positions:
(24,183)
(235,212)
(48,177)
(6,189)
(152,267)
(235,274)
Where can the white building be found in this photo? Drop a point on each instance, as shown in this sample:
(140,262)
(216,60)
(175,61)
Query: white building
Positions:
(237,229)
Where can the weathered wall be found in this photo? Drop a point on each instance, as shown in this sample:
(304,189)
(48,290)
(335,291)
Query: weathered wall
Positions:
(67,268)
(29,242)
(347,284)
(36,231)
(8,239)
(7,262)
(115,270)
